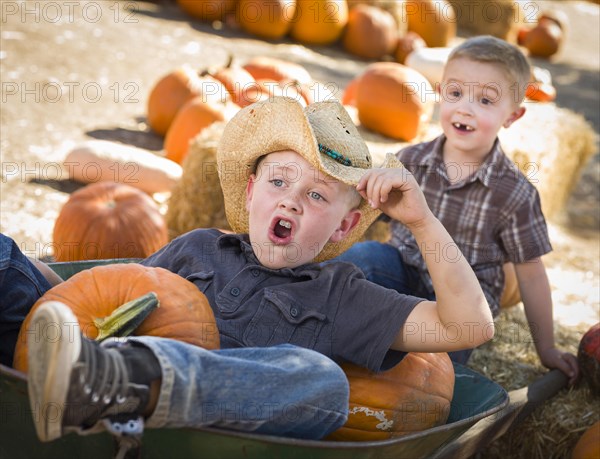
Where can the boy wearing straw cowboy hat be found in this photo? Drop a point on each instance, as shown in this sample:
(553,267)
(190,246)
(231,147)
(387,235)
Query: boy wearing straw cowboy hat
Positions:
(299,187)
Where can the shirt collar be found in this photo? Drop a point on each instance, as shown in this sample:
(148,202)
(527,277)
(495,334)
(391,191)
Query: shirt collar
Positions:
(492,164)
(241,242)
(490,168)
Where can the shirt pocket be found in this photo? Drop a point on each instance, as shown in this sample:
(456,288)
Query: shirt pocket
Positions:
(202,279)
(282,319)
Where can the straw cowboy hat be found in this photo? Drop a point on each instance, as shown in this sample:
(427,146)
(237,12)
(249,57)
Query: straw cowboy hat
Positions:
(322,133)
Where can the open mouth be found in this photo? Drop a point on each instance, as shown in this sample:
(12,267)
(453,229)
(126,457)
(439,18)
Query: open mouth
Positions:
(282,231)
(462,127)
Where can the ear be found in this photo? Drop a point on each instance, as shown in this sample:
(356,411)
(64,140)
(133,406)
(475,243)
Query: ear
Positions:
(514,116)
(348,223)
(249,190)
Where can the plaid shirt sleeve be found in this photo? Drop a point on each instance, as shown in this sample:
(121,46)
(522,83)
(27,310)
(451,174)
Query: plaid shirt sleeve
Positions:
(525,234)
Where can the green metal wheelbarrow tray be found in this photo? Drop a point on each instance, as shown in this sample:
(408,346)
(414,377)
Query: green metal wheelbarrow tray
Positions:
(481,411)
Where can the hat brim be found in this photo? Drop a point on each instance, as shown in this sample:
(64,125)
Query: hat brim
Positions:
(276,125)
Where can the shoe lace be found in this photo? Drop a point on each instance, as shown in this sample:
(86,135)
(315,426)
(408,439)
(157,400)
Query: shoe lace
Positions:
(114,379)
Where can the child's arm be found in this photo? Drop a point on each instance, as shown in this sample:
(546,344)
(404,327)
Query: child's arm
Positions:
(537,300)
(460,317)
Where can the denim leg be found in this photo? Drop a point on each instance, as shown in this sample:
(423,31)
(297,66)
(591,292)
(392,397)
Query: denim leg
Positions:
(21,285)
(382,264)
(281,390)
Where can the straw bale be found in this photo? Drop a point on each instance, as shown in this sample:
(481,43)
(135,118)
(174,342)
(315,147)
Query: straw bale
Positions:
(500,18)
(550,145)
(197,199)
(553,429)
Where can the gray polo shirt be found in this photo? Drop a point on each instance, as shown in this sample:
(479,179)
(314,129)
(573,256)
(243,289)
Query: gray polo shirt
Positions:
(330,308)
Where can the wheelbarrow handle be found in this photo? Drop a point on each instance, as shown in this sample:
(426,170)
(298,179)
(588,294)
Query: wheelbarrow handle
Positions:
(522,402)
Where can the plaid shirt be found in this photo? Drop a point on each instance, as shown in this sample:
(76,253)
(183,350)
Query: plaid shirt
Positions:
(493,215)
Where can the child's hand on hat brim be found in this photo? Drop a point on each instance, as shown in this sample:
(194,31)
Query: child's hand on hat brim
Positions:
(396,193)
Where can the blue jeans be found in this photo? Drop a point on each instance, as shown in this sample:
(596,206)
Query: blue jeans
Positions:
(382,264)
(21,284)
(281,390)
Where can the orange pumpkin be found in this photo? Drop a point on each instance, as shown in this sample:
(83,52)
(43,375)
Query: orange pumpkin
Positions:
(588,446)
(192,118)
(307,93)
(173,90)
(349,95)
(207,10)
(183,314)
(319,22)
(108,220)
(544,40)
(407,44)
(433,20)
(274,69)
(236,80)
(267,19)
(372,32)
(412,396)
(540,92)
(394,100)
(558,17)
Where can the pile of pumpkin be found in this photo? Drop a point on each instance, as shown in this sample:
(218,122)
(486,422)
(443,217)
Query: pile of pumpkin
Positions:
(368,29)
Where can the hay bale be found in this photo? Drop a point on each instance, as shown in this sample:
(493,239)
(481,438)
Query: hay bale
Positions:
(550,145)
(197,200)
(500,18)
(510,359)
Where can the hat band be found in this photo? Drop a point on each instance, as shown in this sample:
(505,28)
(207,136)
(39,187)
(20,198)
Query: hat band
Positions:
(335,155)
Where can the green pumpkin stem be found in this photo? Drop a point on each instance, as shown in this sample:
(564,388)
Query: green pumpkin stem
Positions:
(126,318)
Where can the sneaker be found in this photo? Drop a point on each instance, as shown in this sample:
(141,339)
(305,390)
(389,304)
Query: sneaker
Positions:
(74,382)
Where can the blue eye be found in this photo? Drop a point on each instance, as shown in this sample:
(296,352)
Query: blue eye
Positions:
(316,196)
(277,182)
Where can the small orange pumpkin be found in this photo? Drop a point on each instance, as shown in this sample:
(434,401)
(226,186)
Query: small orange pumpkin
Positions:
(433,20)
(394,100)
(407,44)
(173,90)
(412,396)
(540,92)
(544,40)
(315,91)
(267,19)
(319,22)
(274,69)
(372,32)
(183,314)
(191,119)
(107,220)
(207,10)
(349,95)
(236,80)
(588,445)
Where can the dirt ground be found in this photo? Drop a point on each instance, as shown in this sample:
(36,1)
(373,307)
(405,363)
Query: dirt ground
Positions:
(74,71)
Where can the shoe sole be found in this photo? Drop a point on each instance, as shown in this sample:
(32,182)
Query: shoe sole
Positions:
(54,345)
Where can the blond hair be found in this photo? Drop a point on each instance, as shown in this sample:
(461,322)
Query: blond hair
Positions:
(508,57)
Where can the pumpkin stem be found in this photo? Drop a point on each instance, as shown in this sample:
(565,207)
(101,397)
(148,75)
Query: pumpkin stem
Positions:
(126,318)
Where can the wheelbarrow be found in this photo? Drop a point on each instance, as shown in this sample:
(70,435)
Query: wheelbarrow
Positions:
(480,412)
